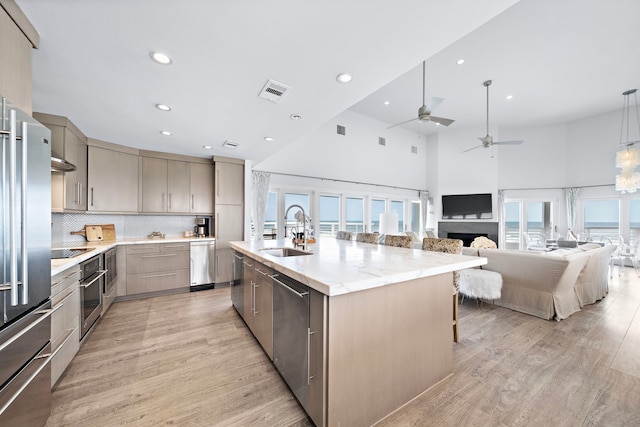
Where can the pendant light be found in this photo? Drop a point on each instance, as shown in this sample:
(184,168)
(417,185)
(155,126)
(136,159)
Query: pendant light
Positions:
(628,156)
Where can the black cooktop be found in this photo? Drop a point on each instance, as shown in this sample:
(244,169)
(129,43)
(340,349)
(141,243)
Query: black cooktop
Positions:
(68,252)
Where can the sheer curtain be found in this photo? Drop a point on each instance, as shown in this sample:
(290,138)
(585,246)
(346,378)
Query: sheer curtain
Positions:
(260,189)
(571,200)
(502,238)
(424,208)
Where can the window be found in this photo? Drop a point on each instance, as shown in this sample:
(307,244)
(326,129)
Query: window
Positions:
(602,219)
(512,225)
(377,207)
(634,220)
(329,220)
(354,209)
(271,215)
(397,207)
(294,199)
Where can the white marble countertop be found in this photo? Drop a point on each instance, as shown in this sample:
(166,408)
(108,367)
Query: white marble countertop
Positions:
(338,267)
(59,265)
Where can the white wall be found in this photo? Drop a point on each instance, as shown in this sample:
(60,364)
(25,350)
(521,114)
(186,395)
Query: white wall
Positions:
(355,156)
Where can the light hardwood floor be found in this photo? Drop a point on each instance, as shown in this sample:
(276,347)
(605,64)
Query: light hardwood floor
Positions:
(189,360)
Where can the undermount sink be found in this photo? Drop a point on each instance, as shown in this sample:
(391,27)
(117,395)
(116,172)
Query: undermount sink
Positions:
(284,252)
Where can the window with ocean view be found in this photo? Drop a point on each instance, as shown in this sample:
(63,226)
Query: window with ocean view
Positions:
(354,210)
(295,199)
(329,220)
(271,215)
(377,207)
(512,225)
(415,217)
(397,207)
(602,219)
(634,220)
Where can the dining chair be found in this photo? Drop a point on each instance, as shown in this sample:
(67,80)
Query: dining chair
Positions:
(367,237)
(344,235)
(448,246)
(398,241)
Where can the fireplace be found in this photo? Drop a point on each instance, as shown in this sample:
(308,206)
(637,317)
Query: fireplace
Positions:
(466,238)
(468,230)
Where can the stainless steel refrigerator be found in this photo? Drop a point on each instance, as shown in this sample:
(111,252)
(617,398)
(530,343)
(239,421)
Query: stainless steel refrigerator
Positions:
(25,266)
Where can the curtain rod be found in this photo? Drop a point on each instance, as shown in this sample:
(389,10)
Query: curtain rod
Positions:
(342,180)
(556,188)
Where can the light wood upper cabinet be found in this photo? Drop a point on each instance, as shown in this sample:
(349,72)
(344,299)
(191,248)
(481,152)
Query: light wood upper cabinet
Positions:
(201,177)
(69,189)
(15,65)
(113,181)
(176,186)
(229,183)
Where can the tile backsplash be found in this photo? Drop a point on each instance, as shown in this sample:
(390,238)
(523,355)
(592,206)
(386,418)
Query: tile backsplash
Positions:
(127,226)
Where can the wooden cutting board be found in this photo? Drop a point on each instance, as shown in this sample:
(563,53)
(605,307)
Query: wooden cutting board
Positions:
(108,232)
(93,233)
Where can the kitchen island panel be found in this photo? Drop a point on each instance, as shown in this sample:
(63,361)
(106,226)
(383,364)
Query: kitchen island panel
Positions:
(386,346)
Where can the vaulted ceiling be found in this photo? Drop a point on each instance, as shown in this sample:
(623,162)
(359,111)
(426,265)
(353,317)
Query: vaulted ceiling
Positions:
(561,60)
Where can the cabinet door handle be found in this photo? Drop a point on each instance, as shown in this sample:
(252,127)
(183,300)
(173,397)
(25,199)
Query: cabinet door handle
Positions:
(91,196)
(193,202)
(162,202)
(151,276)
(169,200)
(158,256)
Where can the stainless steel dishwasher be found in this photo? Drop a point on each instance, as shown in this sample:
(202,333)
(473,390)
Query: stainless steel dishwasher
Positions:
(291,334)
(203,264)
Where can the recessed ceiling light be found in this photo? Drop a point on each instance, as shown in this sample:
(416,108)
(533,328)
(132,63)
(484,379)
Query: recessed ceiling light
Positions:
(509,96)
(166,133)
(460,61)
(206,147)
(161,58)
(386,103)
(268,138)
(295,116)
(344,78)
(163,107)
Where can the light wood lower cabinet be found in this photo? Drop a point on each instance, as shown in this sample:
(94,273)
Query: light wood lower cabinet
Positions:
(65,320)
(157,267)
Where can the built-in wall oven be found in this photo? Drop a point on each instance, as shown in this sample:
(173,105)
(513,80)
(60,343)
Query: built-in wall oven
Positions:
(91,287)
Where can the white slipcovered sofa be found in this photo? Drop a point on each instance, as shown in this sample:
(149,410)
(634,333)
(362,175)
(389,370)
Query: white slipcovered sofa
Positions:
(550,285)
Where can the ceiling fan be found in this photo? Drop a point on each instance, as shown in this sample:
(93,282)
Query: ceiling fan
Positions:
(424,112)
(487,140)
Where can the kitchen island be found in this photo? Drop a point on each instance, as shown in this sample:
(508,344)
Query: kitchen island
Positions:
(380,322)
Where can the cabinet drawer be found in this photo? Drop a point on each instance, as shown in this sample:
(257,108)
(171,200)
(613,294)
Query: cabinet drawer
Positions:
(61,281)
(154,263)
(68,349)
(175,247)
(153,282)
(152,248)
(65,317)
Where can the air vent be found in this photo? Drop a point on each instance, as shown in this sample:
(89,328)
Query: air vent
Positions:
(341,130)
(414,149)
(382,141)
(230,144)
(274,91)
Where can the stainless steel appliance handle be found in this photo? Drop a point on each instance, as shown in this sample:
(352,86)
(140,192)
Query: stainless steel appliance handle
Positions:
(46,313)
(60,347)
(13,221)
(255,292)
(309,376)
(23,214)
(301,295)
(262,272)
(253,297)
(102,273)
(26,383)
(247,264)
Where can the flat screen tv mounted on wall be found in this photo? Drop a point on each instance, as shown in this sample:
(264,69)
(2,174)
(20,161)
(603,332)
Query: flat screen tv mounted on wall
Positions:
(467,206)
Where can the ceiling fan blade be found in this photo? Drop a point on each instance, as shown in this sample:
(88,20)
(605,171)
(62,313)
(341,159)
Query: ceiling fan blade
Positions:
(441,120)
(472,148)
(401,123)
(515,142)
(433,104)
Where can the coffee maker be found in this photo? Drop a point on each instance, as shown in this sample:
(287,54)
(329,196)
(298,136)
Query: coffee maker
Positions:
(202,227)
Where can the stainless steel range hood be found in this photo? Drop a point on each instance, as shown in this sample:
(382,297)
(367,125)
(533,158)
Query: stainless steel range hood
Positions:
(58,164)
